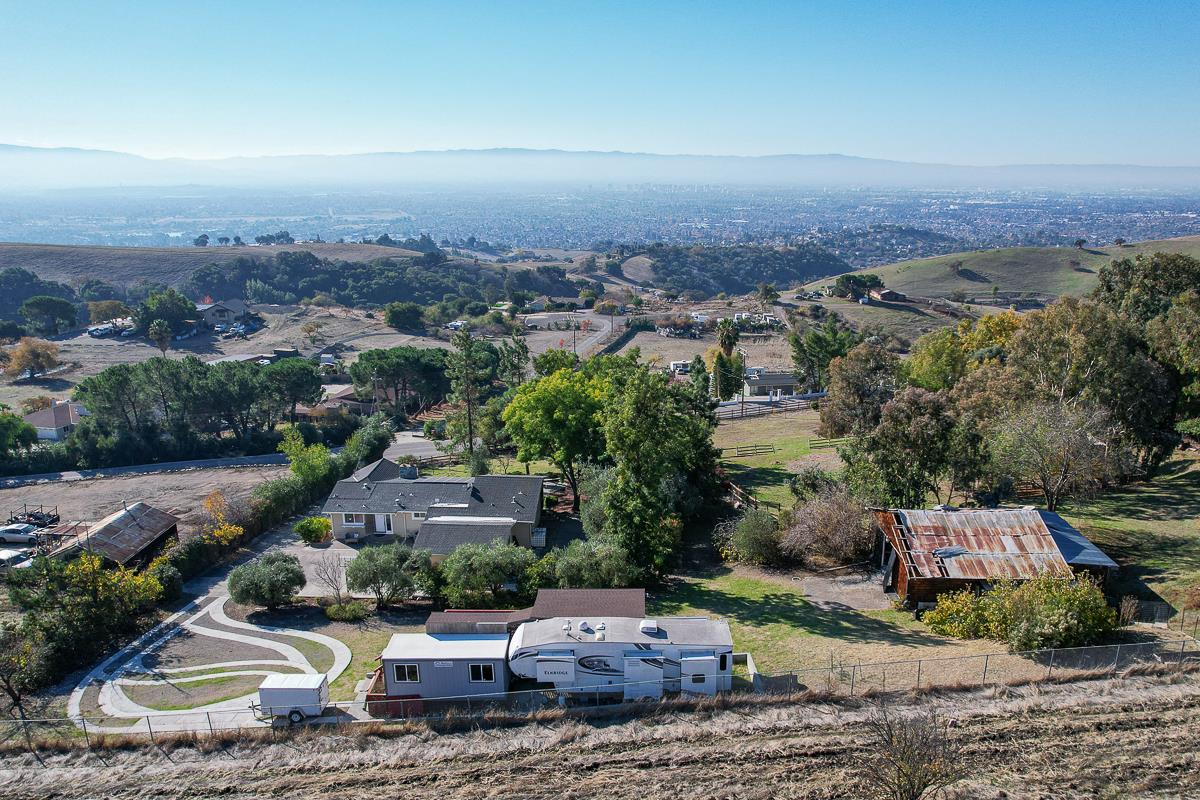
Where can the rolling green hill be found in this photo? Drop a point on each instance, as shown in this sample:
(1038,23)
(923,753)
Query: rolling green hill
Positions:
(1040,270)
(170,265)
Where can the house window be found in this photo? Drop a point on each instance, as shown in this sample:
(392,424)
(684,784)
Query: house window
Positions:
(406,673)
(418,515)
(356,520)
(483,673)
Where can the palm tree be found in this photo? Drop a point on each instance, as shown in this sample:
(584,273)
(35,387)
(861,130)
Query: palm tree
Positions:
(727,336)
(159,332)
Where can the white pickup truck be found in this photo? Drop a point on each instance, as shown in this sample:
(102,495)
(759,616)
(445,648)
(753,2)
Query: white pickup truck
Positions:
(293,696)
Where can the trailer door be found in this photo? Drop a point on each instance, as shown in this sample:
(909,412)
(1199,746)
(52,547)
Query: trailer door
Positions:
(698,674)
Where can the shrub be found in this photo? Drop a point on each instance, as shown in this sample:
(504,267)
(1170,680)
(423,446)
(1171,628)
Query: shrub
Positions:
(833,526)
(168,576)
(593,563)
(350,611)
(810,481)
(269,581)
(479,464)
(1044,612)
(960,615)
(313,530)
(755,538)
(434,429)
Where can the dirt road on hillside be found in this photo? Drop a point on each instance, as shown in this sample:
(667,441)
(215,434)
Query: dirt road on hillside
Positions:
(1133,738)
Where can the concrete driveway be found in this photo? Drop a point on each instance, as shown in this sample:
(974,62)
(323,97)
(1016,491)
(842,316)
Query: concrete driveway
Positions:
(411,443)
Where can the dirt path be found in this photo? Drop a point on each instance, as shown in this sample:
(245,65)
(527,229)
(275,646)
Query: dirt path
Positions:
(1132,738)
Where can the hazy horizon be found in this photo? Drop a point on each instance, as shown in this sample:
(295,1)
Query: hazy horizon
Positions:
(1012,83)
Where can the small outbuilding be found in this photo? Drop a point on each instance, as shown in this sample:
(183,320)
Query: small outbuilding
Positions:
(124,537)
(423,666)
(929,553)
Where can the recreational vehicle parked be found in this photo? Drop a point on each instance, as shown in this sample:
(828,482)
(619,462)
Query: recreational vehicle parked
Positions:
(636,658)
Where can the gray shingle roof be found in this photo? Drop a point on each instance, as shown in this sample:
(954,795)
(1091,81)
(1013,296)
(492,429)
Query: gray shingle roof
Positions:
(515,496)
(441,535)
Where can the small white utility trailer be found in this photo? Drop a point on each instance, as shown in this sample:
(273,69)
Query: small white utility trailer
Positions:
(292,696)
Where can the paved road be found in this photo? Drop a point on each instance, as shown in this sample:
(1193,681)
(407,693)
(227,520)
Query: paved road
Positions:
(144,469)
(411,443)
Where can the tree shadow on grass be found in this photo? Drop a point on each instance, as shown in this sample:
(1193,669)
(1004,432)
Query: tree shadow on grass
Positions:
(782,608)
(1144,557)
(756,478)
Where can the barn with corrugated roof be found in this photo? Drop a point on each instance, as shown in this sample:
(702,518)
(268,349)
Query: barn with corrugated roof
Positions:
(929,553)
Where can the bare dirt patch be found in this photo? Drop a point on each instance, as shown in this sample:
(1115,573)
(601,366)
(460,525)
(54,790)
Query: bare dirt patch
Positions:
(188,649)
(181,492)
(173,695)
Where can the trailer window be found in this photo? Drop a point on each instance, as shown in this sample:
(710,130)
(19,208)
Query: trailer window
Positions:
(698,679)
(724,664)
(483,673)
(407,673)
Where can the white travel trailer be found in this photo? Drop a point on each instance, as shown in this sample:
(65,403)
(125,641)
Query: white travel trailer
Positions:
(636,658)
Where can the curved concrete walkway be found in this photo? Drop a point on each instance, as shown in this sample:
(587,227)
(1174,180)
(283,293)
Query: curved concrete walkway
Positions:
(236,711)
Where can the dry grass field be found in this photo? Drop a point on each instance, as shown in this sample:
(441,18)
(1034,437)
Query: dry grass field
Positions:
(170,265)
(1107,739)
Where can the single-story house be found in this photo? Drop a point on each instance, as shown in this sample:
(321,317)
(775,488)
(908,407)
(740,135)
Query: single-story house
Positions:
(225,312)
(384,499)
(124,537)
(580,603)
(633,657)
(929,553)
(415,667)
(761,382)
(887,295)
(546,302)
(54,423)
(347,399)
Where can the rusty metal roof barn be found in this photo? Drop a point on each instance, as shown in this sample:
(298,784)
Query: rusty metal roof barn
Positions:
(123,535)
(974,545)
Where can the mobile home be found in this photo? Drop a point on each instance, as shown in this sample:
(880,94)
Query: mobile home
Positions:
(635,658)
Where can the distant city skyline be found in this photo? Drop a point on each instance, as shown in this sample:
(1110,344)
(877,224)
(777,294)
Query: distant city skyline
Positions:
(948,83)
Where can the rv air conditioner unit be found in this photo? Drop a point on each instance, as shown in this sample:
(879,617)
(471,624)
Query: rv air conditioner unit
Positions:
(648,627)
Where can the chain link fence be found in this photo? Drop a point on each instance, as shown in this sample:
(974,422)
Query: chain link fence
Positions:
(835,680)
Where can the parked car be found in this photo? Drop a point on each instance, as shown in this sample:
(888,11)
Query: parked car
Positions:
(15,559)
(128,332)
(19,533)
(220,327)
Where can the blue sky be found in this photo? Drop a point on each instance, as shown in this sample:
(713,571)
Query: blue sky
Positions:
(977,83)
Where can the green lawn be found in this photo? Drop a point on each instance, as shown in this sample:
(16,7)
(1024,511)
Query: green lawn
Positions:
(1151,529)
(770,617)
(767,476)
(513,467)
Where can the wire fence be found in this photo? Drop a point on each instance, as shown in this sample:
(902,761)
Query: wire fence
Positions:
(837,679)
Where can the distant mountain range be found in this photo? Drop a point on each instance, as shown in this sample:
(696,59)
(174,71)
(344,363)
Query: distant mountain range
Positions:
(36,168)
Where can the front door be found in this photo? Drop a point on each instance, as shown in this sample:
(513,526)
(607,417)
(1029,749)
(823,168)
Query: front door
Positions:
(383,524)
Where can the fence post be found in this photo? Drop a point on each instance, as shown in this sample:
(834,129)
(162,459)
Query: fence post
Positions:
(88,740)
(918,686)
(151,730)
(1050,670)
(986,656)
(853,670)
(468,704)
(1117,659)
(208,716)
(1182,643)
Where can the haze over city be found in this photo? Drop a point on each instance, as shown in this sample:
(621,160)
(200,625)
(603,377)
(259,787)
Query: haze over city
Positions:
(542,400)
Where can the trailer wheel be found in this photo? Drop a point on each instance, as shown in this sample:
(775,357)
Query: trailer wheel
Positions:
(296,716)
